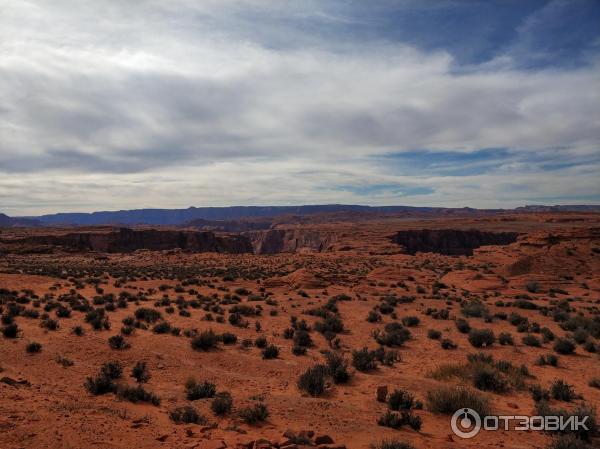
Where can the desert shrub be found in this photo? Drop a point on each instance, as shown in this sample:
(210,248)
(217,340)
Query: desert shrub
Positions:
(78,330)
(549,359)
(118,342)
(195,390)
(222,403)
(205,341)
(484,373)
(97,319)
(539,394)
(112,370)
(313,380)
(590,346)
(373,317)
(337,367)
(532,287)
(137,394)
(448,399)
(594,382)
(330,324)
(386,357)
(363,360)
(33,348)
(50,324)
(547,334)
(400,400)
(99,385)
(486,378)
(164,327)
(394,335)
(298,350)
(446,343)
(302,338)
(254,414)
(140,372)
(562,391)
(463,326)
(186,415)
(580,412)
(127,330)
(65,362)
(531,340)
(505,339)
(475,309)
(147,314)
(480,357)
(63,312)
(392,444)
(228,338)
(580,335)
(568,442)
(481,337)
(564,346)
(434,334)
(235,319)
(410,321)
(10,330)
(270,352)
(260,342)
(397,420)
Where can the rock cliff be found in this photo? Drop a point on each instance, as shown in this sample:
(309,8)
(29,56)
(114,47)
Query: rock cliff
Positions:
(451,242)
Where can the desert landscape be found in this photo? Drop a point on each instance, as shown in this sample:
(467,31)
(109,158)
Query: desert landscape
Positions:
(315,224)
(321,331)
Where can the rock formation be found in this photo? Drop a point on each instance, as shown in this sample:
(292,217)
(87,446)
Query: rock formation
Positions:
(128,240)
(451,242)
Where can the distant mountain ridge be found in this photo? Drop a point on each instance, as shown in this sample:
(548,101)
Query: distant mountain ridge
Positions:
(9,222)
(183,216)
(177,217)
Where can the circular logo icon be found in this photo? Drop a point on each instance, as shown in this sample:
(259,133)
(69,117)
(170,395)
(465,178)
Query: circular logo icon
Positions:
(465,423)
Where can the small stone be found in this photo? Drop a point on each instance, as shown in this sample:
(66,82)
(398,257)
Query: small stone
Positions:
(323,439)
(382,392)
(262,444)
(13,383)
(308,433)
(162,437)
(512,405)
(212,444)
(288,445)
(289,433)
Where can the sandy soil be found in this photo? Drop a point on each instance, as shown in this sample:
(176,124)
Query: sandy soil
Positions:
(45,405)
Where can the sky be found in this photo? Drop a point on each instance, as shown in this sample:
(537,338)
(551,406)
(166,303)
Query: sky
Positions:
(117,104)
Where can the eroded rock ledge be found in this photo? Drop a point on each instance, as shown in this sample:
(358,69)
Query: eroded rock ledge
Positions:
(452,242)
(127,240)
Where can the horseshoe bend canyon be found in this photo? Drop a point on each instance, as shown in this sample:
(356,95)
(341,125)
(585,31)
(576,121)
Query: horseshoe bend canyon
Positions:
(315,330)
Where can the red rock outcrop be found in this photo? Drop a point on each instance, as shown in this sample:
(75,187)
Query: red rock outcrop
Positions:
(452,242)
(127,240)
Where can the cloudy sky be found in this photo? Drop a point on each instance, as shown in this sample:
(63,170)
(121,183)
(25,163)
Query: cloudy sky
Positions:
(117,104)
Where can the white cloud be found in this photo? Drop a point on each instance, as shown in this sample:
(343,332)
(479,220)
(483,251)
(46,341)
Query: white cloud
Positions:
(104,103)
